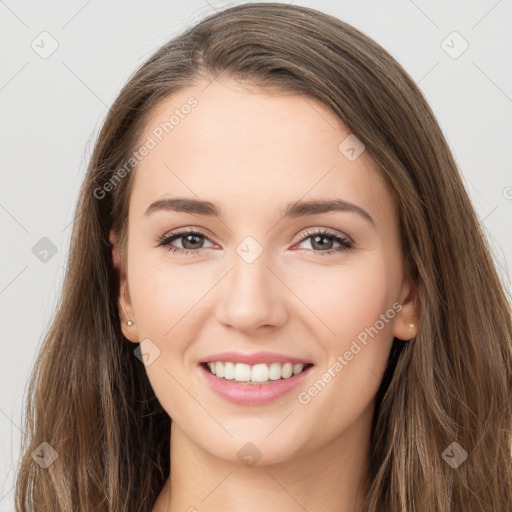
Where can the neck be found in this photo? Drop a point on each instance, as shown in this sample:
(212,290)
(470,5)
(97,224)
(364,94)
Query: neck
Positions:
(313,481)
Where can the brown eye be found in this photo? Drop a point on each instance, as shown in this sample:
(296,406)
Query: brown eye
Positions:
(191,241)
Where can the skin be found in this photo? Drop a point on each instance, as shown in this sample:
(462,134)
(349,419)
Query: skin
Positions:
(252,151)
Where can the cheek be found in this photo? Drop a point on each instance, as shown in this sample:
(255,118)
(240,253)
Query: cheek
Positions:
(345,300)
(352,325)
(161,292)
(166,299)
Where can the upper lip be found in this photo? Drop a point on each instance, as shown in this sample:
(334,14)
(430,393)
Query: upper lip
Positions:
(255,358)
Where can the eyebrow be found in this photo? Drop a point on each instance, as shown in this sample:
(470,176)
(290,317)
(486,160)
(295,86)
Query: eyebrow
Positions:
(293,210)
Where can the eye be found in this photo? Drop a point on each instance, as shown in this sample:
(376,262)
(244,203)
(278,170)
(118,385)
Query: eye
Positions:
(191,241)
(324,239)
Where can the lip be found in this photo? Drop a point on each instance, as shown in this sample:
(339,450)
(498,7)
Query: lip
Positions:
(252,359)
(252,394)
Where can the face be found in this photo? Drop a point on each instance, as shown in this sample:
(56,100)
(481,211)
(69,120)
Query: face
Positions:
(252,285)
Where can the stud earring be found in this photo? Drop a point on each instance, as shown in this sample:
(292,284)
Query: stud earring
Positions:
(411,326)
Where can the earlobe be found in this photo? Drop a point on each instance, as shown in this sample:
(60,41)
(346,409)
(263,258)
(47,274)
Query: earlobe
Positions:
(405,326)
(126,315)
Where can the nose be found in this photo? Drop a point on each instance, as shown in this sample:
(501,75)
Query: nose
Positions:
(252,296)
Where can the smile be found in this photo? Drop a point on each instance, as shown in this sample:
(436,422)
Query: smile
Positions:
(254,385)
(255,374)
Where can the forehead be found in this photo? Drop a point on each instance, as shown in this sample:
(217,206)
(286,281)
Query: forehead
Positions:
(252,149)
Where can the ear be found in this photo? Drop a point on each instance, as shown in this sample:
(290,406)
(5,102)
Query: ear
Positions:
(123,294)
(409,314)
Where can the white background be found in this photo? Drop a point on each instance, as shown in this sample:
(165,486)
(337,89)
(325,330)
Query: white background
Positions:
(51,111)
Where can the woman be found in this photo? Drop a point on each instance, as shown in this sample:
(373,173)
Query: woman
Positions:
(210,353)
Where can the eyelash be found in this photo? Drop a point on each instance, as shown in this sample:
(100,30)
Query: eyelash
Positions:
(165,241)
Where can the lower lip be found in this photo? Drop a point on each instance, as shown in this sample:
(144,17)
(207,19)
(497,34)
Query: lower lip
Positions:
(252,394)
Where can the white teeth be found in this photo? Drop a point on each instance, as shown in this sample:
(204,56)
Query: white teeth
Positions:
(229,371)
(287,370)
(256,374)
(274,371)
(259,373)
(242,372)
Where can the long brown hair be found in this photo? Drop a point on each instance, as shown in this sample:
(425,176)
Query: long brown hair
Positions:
(89,397)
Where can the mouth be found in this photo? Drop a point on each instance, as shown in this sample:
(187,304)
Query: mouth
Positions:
(257,374)
(254,385)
